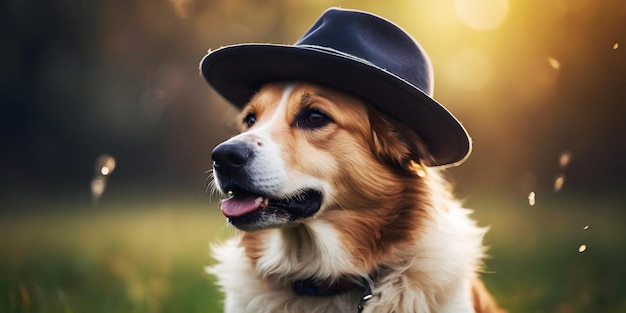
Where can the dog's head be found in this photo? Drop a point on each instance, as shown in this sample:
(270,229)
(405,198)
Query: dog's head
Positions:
(306,149)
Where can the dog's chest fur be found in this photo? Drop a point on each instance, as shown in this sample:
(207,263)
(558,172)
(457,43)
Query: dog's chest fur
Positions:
(433,273)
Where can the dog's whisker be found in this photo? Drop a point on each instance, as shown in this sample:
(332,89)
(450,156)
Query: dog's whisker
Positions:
(336,201)
(211,187)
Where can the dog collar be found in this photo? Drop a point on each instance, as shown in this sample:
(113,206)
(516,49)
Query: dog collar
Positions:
(311,287)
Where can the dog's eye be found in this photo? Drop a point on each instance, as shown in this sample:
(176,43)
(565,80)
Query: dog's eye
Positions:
(315,118)
(250,119)
(312,119)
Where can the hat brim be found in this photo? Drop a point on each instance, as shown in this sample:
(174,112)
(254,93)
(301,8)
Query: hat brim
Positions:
(236,72)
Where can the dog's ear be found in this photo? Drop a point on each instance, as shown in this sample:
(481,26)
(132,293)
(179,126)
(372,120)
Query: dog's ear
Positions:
(396,145)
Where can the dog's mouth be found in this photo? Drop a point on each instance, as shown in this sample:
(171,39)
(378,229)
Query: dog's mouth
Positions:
(252,211)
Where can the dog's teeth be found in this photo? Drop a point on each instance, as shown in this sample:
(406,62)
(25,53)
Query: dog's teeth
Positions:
(258,200)
(231,194)
(262,201)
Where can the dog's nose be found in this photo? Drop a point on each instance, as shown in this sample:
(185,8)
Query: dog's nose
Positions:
(230,156)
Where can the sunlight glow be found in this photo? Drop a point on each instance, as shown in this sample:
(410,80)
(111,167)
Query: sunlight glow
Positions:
(572,6)
(482,14)
(469,69)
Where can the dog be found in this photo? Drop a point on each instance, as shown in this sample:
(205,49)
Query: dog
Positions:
(335,180)
(331,193)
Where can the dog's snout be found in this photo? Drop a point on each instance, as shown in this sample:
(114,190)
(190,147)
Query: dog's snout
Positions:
(230,156)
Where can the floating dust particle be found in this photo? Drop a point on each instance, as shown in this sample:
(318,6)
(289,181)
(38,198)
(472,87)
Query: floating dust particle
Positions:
(586,227)
(582,248)
(105,171)
(98,184)
(565,158)
(531,198)
(558,183)
(554,63)
(615,46)
(105,164)
(182,8)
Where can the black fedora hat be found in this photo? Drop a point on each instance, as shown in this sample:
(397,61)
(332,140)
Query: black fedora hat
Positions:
(359,53)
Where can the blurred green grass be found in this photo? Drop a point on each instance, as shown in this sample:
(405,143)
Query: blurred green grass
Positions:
(126,256)
(535,263)
(149,255)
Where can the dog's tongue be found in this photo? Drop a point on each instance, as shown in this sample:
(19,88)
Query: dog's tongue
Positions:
(235,206)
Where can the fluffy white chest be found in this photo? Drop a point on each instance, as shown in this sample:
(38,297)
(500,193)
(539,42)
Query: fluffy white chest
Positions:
(434,276)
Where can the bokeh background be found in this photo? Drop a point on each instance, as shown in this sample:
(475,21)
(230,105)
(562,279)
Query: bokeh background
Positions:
(106,130)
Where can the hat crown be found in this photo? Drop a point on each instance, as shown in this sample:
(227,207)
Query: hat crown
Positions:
(374,40)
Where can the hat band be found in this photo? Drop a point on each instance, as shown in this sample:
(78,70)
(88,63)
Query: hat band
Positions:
(335,51)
